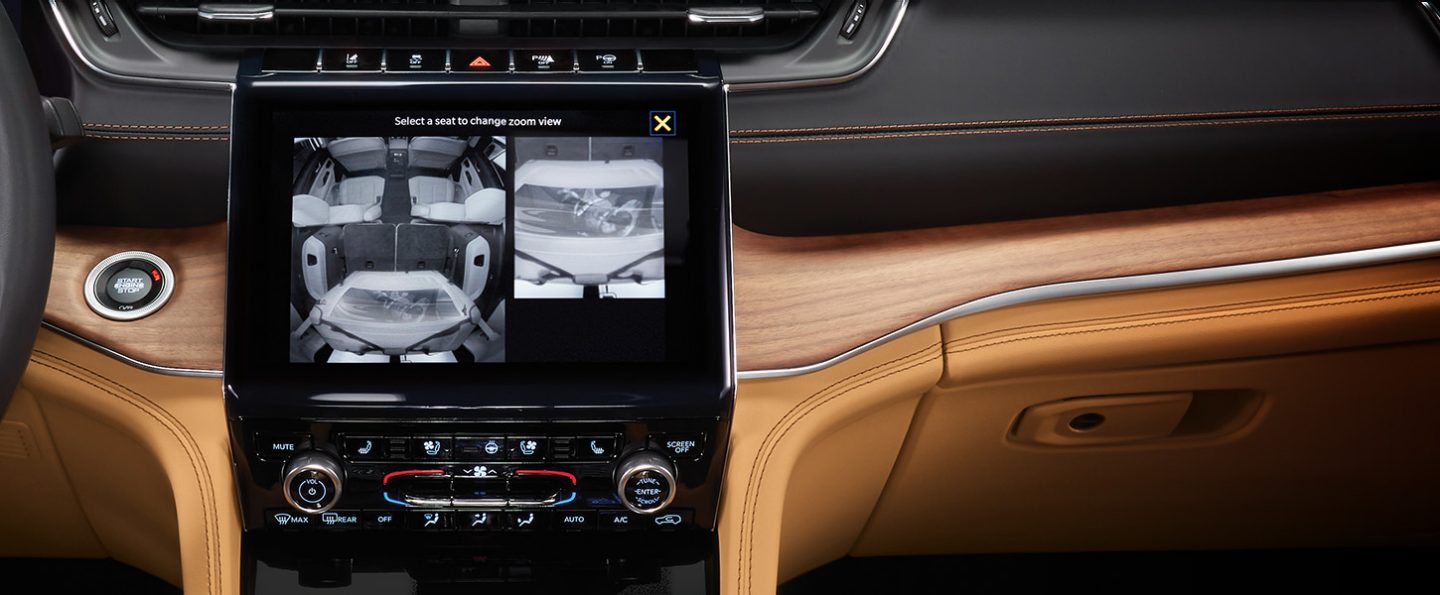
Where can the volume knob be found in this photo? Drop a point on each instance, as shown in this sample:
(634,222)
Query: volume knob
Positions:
(646,482)
(313,481)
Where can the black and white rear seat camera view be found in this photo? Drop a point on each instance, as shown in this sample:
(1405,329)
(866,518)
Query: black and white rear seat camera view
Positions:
(589,218)
(398,248)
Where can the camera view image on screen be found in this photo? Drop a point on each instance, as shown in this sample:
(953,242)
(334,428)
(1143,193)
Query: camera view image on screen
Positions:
(589,217)
(397,248)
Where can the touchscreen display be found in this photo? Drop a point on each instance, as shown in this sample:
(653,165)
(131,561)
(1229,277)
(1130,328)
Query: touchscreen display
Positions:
(476,238)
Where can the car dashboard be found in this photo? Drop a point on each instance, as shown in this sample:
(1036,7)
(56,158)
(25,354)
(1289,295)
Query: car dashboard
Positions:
(716,297)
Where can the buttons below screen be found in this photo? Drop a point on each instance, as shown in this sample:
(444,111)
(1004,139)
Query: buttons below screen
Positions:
(480,449)
(278,447)
(481,521)
(680,445)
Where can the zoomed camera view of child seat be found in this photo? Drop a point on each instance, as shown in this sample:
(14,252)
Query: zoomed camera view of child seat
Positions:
(589,218)
(397,246)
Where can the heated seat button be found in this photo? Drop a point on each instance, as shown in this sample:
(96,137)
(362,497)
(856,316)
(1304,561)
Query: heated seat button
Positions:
(593,448)
(608,60)
(364,448)
(279,446)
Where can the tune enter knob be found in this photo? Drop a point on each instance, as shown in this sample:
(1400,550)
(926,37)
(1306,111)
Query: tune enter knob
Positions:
(646,482)
(313,481)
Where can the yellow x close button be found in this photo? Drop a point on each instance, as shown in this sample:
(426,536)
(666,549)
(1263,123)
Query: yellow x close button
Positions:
(662,123)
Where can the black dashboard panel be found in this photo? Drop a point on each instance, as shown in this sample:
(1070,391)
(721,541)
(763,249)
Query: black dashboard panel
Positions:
(990,110)
(978,111)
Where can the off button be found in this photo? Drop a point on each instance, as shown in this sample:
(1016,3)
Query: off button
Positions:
(131,285)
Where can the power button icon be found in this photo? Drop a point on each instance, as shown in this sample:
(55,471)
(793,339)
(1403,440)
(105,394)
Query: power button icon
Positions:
(312,491)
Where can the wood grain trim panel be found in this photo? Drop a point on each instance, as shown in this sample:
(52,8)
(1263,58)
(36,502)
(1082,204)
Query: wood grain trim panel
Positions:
(800,301)
(187,332)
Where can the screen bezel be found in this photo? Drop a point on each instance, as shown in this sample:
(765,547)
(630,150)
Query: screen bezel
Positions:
(258,384)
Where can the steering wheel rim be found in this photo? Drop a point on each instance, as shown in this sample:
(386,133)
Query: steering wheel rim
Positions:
(27,211)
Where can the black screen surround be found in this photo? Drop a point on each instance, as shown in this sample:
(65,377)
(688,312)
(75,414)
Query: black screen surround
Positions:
(448,388)
(688,345)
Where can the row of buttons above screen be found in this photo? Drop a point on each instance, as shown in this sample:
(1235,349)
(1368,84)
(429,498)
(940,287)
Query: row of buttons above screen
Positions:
(480,520)
(478,61)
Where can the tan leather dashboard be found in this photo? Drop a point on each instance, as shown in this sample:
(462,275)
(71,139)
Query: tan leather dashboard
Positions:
(800,301)
(1306,421)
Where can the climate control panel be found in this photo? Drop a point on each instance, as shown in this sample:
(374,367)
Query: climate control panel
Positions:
(482,480)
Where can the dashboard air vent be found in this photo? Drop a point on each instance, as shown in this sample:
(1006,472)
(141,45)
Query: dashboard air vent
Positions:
(726,25)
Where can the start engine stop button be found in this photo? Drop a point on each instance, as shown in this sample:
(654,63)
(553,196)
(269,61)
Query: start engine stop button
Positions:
(129,285)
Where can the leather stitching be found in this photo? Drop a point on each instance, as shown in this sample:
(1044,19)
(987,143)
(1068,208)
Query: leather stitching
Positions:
(1250,303)
(769,445)
(175,127)
(1076,119)
(159,138)
(1039,129)
(188,443)
(1159,323)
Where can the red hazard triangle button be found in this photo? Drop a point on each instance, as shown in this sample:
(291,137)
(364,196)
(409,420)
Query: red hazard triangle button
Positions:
(480,61)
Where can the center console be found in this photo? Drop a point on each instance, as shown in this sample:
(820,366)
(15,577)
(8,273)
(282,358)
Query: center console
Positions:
(478,321)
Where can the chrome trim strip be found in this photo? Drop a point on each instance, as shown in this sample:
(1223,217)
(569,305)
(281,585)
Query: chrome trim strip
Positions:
(235,13)
(1432,14)
(79,55)
(148,367)
(726,15)
(1239,272)
(832,80)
